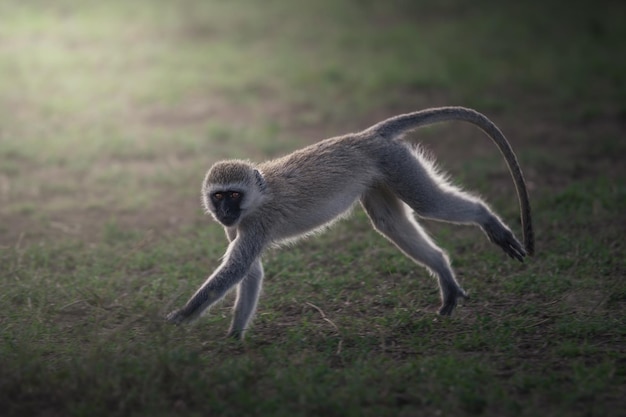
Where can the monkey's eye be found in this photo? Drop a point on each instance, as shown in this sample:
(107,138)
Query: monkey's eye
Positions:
(235,195)
(218,196)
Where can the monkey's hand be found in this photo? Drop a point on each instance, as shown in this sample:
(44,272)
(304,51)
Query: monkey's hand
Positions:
(503,237)
(177,317)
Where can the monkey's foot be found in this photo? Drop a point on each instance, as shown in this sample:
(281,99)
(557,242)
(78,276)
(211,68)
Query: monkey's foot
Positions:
(504,238)
(451,301)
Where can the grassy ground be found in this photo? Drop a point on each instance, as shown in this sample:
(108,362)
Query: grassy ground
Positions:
(110,112)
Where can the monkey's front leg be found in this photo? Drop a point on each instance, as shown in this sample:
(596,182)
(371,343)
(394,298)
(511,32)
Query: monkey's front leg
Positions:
(248,292)
(240,256)
(211,291)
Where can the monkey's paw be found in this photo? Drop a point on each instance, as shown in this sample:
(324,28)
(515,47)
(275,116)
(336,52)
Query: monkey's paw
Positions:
(235,334)
(176,317)
(504,238)
(450,301)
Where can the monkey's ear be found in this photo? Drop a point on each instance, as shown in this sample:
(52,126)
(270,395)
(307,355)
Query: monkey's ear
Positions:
(260,180)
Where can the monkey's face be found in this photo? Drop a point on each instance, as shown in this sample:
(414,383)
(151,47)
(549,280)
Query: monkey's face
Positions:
(226,206)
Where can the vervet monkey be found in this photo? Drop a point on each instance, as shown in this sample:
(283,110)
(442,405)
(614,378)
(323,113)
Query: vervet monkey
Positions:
(290,197)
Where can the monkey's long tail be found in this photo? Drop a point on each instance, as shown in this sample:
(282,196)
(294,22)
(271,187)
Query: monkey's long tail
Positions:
(398,125)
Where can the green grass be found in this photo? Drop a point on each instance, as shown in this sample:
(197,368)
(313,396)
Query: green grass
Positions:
(110,112)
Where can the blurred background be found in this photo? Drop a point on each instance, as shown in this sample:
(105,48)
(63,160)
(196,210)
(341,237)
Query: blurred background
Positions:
(111,112)
(109,108)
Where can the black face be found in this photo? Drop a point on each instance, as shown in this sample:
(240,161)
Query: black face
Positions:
(227,206)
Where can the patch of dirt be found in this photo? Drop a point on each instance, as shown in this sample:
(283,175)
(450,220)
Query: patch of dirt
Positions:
(88,224)
(453,145)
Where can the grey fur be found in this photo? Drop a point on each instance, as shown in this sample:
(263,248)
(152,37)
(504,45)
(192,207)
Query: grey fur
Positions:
(303,192)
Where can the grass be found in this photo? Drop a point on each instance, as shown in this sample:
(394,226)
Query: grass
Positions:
(110,112)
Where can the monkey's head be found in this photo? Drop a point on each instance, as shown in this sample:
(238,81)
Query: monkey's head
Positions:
(231,190)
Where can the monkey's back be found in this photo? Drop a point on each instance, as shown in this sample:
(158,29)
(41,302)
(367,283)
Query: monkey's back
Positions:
(298,183)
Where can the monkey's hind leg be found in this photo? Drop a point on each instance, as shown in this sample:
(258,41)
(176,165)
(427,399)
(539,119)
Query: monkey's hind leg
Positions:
(248,292)
(391,218)
(418,183)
